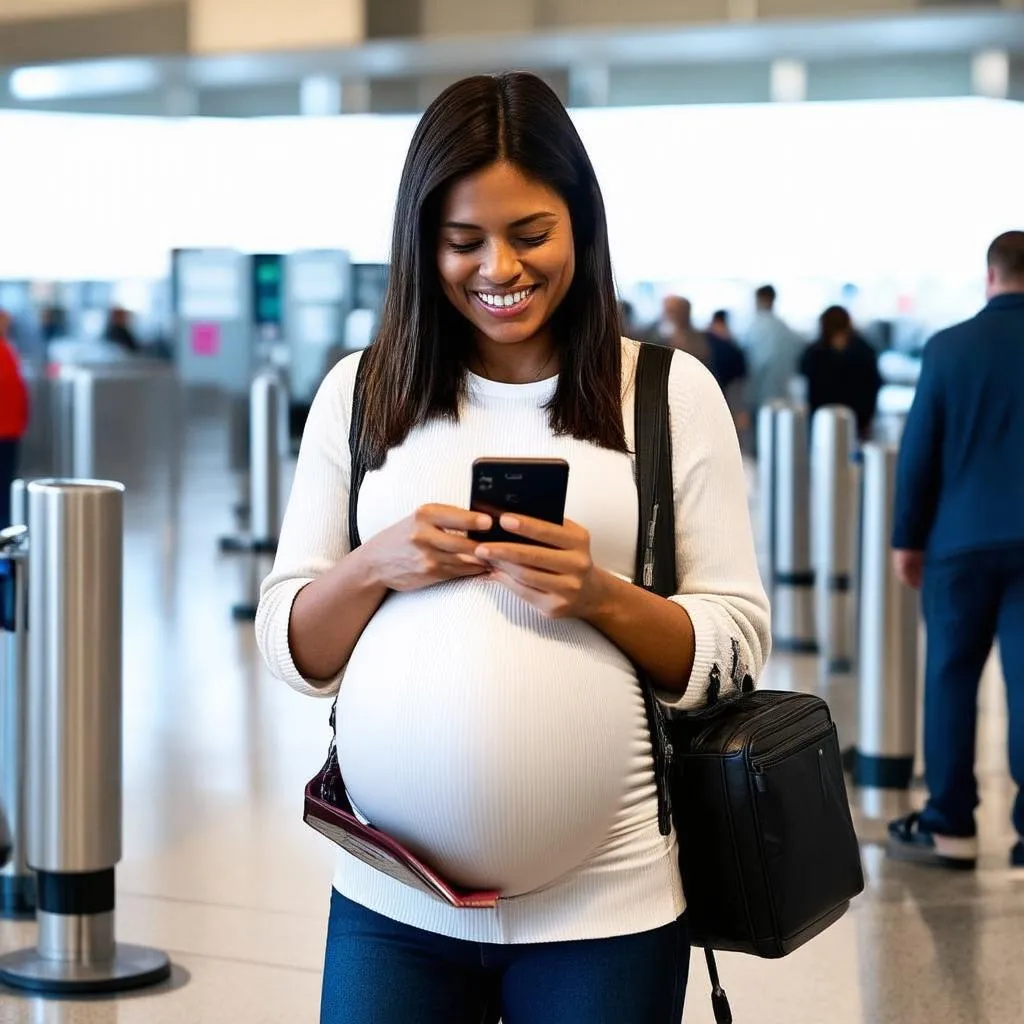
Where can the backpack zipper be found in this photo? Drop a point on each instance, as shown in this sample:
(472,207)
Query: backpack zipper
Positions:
(759,766)
(791,717)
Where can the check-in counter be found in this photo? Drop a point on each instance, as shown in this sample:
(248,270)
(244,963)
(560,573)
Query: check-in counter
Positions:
(38,447)
(120,421)
(111,420)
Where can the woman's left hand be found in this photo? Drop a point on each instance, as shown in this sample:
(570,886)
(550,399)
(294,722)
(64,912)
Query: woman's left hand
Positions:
(559,580)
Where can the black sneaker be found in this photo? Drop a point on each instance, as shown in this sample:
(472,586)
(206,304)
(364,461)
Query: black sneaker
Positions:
(1017,858)
(910,842)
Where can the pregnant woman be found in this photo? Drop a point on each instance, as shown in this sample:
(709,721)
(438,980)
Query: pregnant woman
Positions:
(489,714)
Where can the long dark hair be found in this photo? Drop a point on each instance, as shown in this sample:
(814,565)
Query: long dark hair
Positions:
(416,368)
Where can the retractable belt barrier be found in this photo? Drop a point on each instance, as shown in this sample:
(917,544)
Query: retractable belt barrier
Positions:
(266,411)
(74,769)
(784,476)
(888,655)
(834,529)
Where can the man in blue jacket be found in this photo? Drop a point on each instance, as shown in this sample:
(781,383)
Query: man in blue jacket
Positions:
(959,535)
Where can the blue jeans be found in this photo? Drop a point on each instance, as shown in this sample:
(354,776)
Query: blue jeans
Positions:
(377,971)
(970,600)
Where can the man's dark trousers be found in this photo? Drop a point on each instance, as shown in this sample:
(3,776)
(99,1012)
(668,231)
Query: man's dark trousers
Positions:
(969,601)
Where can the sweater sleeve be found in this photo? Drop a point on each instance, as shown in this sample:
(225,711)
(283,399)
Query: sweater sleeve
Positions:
(314,531)
(719,583)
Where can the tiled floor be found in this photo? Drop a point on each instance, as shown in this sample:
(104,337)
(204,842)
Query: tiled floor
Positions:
(219,870)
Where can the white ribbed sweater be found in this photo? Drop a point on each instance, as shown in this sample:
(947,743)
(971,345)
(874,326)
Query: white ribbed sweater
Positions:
(509,750)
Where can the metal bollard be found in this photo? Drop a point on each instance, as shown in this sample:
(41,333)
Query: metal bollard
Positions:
(766,485)
(265,460)
(266,412)
(17,883)
(834,533)
(74,728)
(793,580)
(888,651)
(267,416)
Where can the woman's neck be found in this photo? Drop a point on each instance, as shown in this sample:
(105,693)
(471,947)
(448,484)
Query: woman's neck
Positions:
(523,362)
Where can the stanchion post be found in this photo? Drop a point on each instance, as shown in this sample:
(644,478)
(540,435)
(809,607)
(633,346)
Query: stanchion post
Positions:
(265,460)
(17,882)
(766,485)
(834,533)
(74,728)
(267,412)
(793,580)
(889,626)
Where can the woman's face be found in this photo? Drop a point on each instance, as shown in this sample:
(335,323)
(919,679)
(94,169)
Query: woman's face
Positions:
(505,252)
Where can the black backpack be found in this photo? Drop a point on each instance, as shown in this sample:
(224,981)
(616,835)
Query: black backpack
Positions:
(753,782)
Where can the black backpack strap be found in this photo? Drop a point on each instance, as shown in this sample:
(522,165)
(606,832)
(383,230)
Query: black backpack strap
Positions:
(652,442)
(355,447)
(357,472)
(656,538)
(656,568)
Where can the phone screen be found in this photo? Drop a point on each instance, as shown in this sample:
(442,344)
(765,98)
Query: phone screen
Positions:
(527,487)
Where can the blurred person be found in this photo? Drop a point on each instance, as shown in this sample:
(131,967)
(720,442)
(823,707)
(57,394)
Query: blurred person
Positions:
(53,323)
(677,331)
(500,334)
(842,369)
(959,537)
(119,330)
(627,315)
(719,325)
(729,365)
(773,352)
(13,416)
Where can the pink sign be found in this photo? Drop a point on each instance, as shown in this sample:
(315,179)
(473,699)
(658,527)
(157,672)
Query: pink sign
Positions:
(205,339)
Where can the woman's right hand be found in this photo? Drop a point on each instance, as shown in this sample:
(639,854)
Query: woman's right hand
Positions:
(426,548)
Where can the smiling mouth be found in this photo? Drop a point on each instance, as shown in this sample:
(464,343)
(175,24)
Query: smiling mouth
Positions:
(505,303)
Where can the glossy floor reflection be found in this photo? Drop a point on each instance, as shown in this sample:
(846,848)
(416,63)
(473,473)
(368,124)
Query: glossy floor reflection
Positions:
(220,872)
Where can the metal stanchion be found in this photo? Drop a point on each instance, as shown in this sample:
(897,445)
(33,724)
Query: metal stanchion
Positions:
(265,460)
(793,599)
(834,533)
(17,882)
(74,728)
(766,485)
(265,408)
(889,626)
(266,402)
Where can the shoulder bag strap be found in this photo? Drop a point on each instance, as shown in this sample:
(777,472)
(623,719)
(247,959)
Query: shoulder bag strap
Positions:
(656,568)
(355,447)
(656,540)
(656,543)
(357,471)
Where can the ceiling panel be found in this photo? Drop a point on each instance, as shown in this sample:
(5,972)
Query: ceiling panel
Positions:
(149,28)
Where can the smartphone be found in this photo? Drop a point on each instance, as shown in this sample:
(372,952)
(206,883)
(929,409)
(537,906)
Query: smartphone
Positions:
(526,487)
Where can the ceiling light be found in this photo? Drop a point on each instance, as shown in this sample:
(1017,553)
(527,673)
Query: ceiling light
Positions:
(93,78)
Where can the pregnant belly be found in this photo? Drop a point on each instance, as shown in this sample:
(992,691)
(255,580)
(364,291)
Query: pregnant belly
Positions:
(494,743)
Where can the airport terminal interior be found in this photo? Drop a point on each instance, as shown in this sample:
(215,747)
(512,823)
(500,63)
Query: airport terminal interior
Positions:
(220,872)
(197,207)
